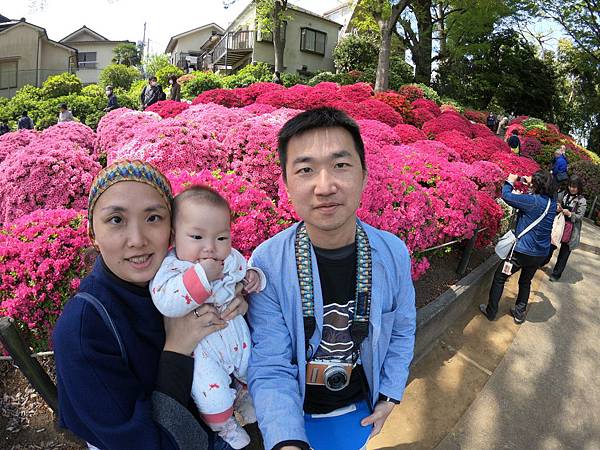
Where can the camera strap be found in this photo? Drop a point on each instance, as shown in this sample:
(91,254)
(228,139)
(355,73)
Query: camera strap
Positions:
(362,300)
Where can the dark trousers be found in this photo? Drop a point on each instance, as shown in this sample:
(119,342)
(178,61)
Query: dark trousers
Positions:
(561,259)
(528,265)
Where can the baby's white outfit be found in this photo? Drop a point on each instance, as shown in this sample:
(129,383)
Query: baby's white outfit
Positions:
(178,288)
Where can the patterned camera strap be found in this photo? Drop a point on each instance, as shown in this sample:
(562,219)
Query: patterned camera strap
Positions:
(362,301)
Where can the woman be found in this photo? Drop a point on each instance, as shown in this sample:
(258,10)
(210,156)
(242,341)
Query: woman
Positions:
(531,249)
(571,203)
(124,379)
(175,93)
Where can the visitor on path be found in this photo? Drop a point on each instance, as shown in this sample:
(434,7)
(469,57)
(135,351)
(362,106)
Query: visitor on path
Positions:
(124,377)
(491,122)
(532,248)
(502,125)
(560,165)
(113,103)
(25,122)
(64,114)
(572,205)
(333,331)
(175,93)
(203,268)
(277,78)
(151,93)
(514,142)
(4,128)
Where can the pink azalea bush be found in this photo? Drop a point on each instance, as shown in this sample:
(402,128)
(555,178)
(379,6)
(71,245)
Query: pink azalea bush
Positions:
(409,133)
(42,263)
(13,142)
(45,175)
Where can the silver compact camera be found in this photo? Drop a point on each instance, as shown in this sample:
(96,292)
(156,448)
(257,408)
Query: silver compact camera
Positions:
(335,376)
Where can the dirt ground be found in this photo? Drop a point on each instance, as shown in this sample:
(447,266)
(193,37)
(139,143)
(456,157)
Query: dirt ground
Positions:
(26,423)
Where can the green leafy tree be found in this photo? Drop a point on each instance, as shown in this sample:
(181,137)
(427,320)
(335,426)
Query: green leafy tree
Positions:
(167,72)
(127,54)
(154,63)
(356,52)
(61,84)
(196,83)
(119,75)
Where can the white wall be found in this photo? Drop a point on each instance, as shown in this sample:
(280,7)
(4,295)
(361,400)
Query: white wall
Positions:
(104,56)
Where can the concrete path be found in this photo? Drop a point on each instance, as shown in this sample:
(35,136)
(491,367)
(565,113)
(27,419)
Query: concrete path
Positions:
(545,394)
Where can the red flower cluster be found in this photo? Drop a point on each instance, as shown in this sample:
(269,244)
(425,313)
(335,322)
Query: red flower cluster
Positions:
(168,108)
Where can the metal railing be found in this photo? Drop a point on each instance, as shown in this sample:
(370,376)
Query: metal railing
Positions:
(233,41)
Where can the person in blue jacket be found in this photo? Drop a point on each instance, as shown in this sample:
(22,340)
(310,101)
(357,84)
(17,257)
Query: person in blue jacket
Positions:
(533,248)
(560,165)
(333,332)
(124,379)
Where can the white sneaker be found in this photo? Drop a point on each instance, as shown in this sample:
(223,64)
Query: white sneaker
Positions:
(232,433)
(244,407)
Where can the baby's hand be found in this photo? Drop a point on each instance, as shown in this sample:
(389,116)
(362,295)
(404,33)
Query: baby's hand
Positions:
(212,267)
(251,281)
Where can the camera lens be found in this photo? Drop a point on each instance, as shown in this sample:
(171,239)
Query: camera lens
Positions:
(336,378)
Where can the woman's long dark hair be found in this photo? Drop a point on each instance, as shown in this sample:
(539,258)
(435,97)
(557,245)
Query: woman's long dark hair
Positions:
(542,183)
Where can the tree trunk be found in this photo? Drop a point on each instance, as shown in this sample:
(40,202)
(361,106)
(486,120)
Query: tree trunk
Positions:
(382,78)
(422,52)
(442,32)
(278,43)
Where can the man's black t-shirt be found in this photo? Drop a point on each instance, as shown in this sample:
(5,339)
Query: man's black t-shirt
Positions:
(337,272)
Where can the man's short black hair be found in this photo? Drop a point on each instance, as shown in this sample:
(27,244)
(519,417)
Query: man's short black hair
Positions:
(152,78)
(324,117)
(24,113)
(63,105)
(515,131)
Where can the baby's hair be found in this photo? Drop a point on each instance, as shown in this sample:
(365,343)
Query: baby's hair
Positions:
(201,194)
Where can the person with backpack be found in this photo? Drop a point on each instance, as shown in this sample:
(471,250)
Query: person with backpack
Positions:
(491,122)
(4,128)
(514,142)
(151,93)
(535,216)
(25,122)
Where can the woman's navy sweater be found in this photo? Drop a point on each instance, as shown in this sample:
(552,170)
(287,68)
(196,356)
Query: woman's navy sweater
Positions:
(102,398)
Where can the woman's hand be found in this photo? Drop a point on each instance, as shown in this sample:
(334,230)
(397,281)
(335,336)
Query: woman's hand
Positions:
(182,334)
(566,212)
(237,307)
(512,178)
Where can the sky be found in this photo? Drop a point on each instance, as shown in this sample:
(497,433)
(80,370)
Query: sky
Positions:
(124,19)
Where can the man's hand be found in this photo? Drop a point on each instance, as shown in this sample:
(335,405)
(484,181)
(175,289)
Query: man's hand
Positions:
(377,419)
(251,281)
(212,267)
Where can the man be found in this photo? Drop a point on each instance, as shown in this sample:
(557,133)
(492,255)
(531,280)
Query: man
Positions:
(112,99)
(25,122)
(4,128)
(151,93)
(514,142)
(64,115)
(491,121)
(331,352)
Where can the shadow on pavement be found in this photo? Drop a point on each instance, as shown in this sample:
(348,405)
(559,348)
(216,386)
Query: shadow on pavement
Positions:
(541,310)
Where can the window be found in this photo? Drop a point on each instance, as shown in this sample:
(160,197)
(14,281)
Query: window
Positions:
(267,36)
(312,41)
(8,74)
(86,60)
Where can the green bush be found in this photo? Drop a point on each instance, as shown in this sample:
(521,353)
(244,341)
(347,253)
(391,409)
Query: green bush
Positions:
(452,102)
(340,78)
(532,122)
(135,91)
(590,174)
(119,75)
(166,72)
(291,79)
(430,93)
(198,83)
(252,73)
(60,85)
(401,73)
(356,52)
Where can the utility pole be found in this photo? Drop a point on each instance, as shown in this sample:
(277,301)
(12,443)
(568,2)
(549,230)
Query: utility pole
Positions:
(143,42)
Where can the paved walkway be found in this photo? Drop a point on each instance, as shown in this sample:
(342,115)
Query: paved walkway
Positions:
(502,386)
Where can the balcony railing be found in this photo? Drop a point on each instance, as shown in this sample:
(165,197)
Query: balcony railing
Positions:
(236,43)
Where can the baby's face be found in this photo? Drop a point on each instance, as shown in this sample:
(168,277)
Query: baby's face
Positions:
(202,231)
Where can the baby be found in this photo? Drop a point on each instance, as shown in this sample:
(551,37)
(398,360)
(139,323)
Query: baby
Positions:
(203,268)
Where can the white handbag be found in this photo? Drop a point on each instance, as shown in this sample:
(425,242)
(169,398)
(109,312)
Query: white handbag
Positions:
(507,243)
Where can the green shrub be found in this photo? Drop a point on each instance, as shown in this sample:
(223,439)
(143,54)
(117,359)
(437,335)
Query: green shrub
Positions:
(429,92)
(340,78)
(292,79)
(28,99)
(135,92)
(119,75)
(252,73)
(166,72)
(590,174)
(154,63)
(452,102)
(198,83)
(401,73)
(356,52)
(532,122)
(60,85)
(93,90)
